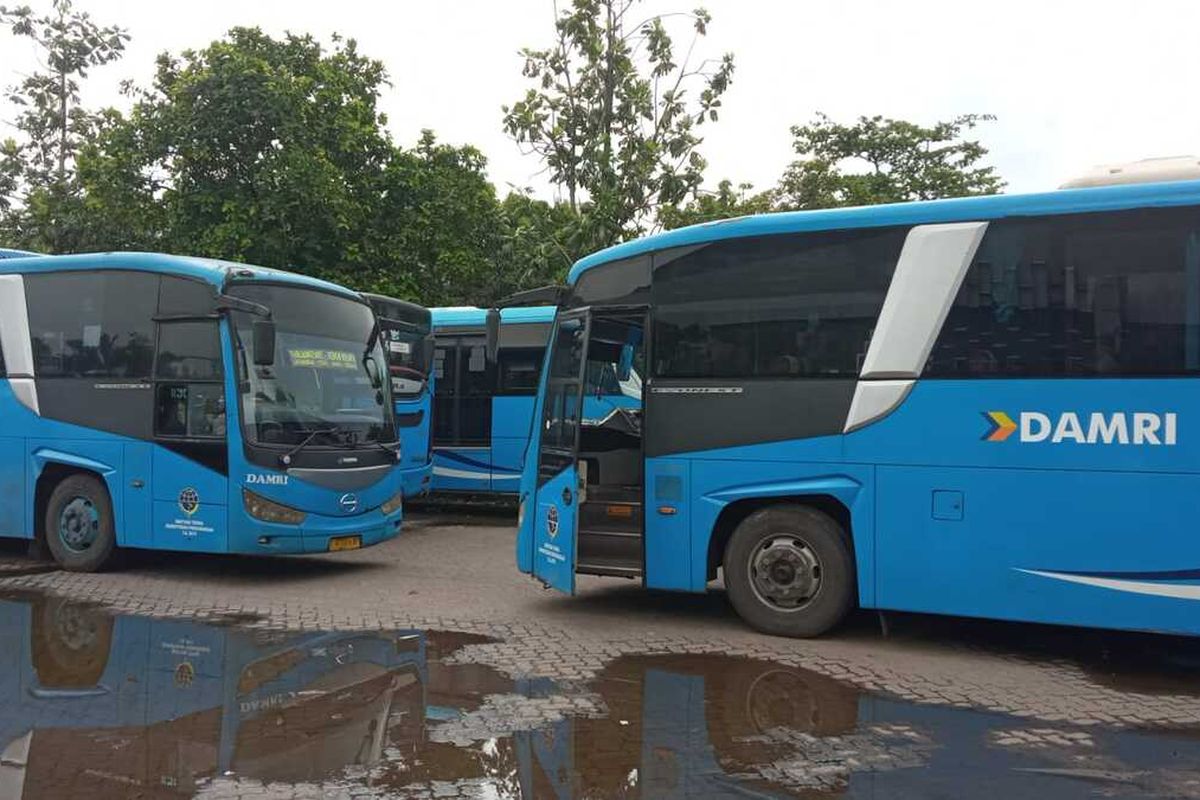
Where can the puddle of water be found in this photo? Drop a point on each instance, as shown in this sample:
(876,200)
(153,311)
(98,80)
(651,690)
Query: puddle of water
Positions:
(98,705)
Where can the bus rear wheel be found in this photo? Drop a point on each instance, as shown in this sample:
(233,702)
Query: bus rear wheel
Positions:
(789,571)
(79,524)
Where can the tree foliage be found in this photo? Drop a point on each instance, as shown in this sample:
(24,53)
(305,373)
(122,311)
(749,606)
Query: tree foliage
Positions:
(615,112)
(881,160)
(38,187)
(726,202)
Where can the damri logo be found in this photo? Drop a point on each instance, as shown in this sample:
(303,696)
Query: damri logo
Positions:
(1136,427)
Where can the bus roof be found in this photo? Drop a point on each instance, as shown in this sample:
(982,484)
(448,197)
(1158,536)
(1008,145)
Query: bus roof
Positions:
(397,309)
(208,270)
(472,315)
(8,252)
(1065,201)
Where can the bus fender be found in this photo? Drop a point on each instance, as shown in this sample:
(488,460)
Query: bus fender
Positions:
(843,488)
(44,457)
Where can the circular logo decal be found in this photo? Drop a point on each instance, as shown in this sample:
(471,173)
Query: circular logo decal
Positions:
(185,673)
(349,503)
(552,521)
(189,501)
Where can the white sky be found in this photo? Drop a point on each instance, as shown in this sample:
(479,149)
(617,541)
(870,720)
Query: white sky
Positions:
(1073,83)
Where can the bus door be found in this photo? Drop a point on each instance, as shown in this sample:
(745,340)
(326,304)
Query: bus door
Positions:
(559,485)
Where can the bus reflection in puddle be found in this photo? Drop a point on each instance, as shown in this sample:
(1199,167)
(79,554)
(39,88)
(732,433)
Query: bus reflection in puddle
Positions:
(96,705)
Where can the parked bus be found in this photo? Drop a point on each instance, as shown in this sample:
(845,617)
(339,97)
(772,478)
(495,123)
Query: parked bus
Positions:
(174,403)
(975,406)
(407,333)
(483,408)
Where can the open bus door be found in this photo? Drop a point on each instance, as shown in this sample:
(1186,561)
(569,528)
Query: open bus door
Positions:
(559,487)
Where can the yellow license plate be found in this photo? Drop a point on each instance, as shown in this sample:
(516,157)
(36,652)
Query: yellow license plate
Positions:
(345,543)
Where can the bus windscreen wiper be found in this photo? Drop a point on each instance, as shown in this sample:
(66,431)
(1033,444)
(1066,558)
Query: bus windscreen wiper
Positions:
(286,458)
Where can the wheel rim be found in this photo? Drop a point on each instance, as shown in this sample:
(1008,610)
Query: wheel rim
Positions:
(79,524)
(785,573)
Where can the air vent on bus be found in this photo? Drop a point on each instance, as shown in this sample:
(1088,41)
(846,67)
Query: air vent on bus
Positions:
(1148,170)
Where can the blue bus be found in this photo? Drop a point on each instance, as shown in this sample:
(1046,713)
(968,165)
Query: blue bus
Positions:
(407,332)
(483,404)
(976,407)
(174,403)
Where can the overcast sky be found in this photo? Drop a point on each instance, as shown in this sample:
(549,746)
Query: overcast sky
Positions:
(1073,84)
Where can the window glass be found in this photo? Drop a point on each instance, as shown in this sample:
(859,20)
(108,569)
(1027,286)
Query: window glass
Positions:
(180,296)
(1106,294)
(189,350)
(190,409)
(520,369)
(92,324)
(788,306)
(561,416)
(567,357)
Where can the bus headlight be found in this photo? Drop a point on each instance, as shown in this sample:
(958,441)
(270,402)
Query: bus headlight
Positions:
(270,511)
(394,504)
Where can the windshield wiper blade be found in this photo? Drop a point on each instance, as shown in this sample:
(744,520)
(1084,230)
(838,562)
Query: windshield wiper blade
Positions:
(286,458)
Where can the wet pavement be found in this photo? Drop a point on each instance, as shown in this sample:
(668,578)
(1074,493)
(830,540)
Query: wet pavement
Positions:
(102,705)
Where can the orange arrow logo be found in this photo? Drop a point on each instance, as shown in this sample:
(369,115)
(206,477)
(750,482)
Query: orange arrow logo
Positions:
(1000,427)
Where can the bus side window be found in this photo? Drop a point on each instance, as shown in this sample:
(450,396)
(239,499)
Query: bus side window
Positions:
(189,393)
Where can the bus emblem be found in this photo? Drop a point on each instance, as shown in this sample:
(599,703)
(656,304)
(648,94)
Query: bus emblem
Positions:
(189,501)
(552,521)
(349,503)
(1001,426)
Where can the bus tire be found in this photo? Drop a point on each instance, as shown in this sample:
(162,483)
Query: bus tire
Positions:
(789,571)
(79,524)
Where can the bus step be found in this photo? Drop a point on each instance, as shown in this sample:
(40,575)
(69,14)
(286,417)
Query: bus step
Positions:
(605,547)
(611,567)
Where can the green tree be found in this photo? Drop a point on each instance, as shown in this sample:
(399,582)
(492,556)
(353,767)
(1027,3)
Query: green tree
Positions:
(437,226)
(726,202)
(615,113)
(39,193)
(881,160)
(258,149)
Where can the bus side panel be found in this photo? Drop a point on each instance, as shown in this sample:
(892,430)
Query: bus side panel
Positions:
(462,469)
(190,510)
(137,527)
(12,488)
(511,416)
(1035,500)
(1024,545)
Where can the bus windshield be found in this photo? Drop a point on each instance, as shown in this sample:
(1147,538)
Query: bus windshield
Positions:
(320,388)
(406,357)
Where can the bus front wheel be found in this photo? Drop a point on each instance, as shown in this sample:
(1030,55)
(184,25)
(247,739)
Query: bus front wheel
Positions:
(789,571)
(79,524)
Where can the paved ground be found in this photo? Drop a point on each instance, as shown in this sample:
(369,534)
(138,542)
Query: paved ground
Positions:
(456,573)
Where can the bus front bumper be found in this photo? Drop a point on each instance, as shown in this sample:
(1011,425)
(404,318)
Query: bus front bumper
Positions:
(320,534)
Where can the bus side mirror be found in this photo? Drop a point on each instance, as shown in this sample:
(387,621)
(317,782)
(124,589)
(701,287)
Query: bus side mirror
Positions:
(625,365)
(264,342)
(428,347)
(492,329)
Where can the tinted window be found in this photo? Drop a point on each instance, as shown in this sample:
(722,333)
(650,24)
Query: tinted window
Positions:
(567,358)
(181,297)
(189,350)
(1081,295)
(92,324)
(462,410)
(189,409)
(799,305)
(520,369)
